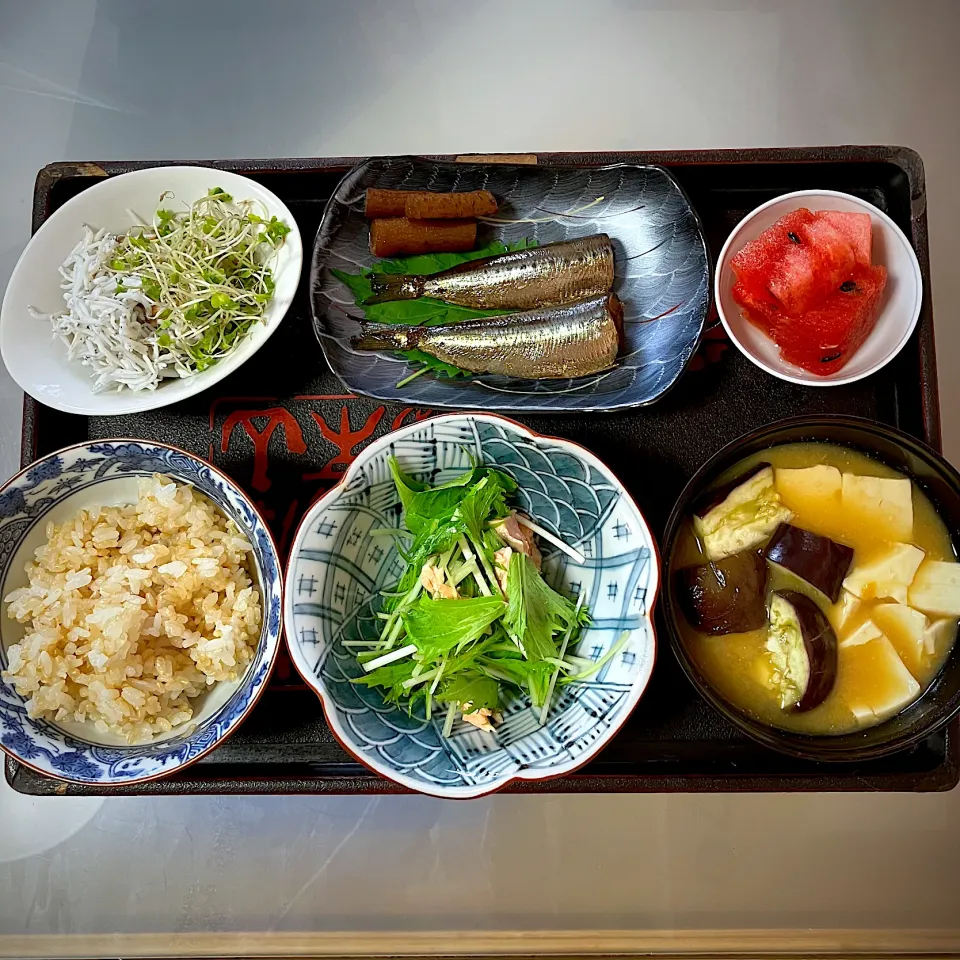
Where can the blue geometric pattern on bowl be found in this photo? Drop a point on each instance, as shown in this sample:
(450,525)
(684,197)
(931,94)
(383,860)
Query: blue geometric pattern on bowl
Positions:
(24,502)
(662,277)
(337,570)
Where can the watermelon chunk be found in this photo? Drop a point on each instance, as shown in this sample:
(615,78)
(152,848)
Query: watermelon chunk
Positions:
(824,338)
(813,268)
(754,263)
(833,249)
(762,312)
(808,283)
(857,228)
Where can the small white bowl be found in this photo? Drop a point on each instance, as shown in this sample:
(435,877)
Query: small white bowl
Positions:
(899,309)
(38,362)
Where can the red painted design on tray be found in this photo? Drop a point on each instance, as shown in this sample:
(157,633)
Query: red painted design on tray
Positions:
(345,439)
(409,415)
(275,417)
(286,453)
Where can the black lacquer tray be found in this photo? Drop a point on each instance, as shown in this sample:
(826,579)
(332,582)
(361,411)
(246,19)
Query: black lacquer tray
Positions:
(285,428)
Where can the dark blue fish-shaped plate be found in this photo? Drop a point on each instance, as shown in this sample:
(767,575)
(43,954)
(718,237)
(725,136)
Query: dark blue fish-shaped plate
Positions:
(662,277)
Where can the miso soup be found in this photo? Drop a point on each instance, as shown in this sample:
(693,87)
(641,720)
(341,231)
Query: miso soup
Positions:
(820,590)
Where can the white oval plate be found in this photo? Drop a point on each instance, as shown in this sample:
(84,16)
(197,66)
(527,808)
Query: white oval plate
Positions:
(899,310)
(38,362)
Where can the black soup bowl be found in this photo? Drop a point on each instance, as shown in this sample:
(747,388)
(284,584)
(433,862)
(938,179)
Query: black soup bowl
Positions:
(938,480)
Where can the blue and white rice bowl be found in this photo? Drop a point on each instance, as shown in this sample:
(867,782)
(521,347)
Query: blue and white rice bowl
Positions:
(106,473)
(338,567)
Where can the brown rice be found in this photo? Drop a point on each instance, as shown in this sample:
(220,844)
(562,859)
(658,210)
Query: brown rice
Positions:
(131,611)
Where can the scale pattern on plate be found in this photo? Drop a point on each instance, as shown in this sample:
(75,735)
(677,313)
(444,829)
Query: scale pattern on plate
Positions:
(25,502)
(339,569)
(662,276)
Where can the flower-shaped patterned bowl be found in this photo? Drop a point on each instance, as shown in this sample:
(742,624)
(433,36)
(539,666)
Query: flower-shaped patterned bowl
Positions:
(338,567)
(105,473)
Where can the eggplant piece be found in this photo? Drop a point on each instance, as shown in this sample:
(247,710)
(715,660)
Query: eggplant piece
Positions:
(725,596)
(741,515)
(803,651)
(822,562)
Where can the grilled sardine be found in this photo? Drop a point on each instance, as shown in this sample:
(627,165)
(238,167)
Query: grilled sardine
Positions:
(552,274)
(573,340)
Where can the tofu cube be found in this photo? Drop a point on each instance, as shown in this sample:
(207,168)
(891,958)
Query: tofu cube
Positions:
(809,487)
(885,575)
(939,635)
(884,503)
(866,632)
(871,679)
(906,629)
(936,589)
(844,611)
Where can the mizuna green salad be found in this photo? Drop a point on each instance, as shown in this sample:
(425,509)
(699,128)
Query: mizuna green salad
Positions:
(471,617)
